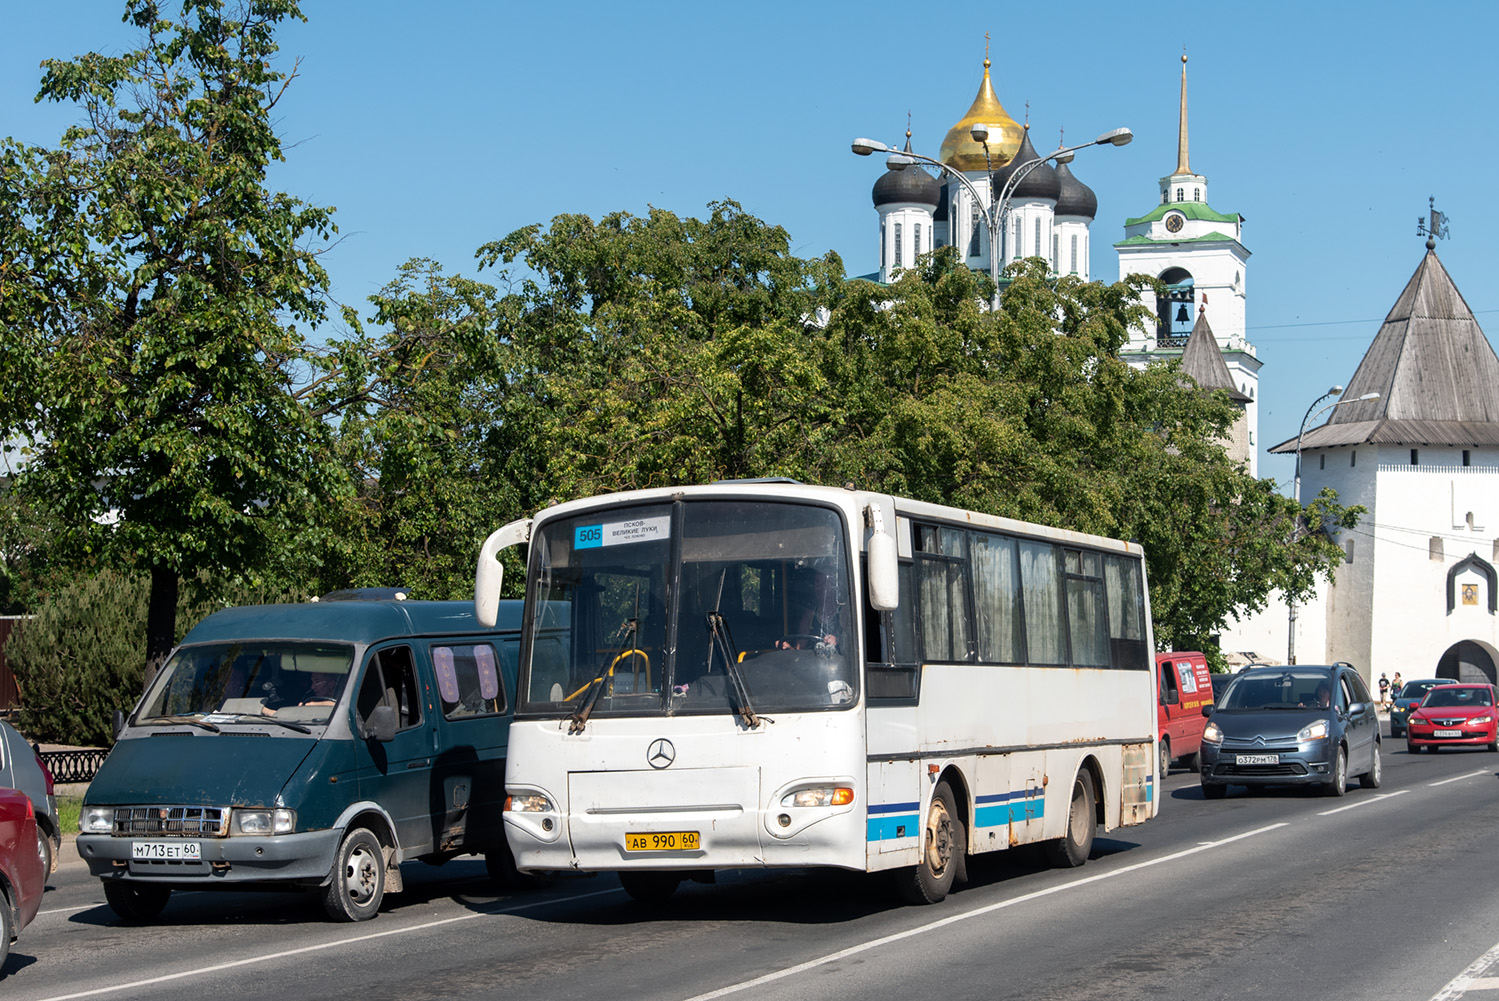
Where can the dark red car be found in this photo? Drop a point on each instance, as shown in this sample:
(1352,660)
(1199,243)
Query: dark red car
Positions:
(1455,716)
(21,875)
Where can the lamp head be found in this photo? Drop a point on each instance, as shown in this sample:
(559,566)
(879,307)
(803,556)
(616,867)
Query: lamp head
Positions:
(1063,157)
(980,132)
(1116,137)
(864,147)
(1335,390)
(898,161)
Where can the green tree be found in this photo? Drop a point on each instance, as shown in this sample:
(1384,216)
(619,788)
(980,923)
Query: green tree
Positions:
(659,351)
(151,292)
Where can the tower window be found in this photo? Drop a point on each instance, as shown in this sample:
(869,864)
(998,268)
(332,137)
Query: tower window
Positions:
(1036,246)
(1353,458)
(1197,194)
(1181,194)
(1015,250)
(898,261)
(882,244)
(1348,550)
(1054,239)
(1074,253)
(916,247)
(1322,461)
(1467,457)
(1415,457)
(974,247)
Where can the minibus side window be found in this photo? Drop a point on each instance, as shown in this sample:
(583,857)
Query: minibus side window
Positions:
(390,679)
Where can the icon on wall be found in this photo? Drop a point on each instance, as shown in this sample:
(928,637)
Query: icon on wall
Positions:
(1470,594)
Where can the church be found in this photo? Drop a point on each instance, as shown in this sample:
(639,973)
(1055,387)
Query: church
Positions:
(1193,249)
(1418,590)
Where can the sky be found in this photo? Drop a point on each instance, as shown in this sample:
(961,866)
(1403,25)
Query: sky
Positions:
(436,127)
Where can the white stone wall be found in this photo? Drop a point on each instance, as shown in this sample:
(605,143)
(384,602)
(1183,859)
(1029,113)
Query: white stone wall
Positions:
(909,216)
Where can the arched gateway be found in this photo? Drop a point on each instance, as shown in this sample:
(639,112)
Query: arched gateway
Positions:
(1468,663)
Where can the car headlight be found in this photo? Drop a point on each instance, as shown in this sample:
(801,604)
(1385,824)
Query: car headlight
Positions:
(1476,720)
(533,802)
(96,819)
(819,796)
(1211,734)
(1417,721)
(265,821)
(1316,730)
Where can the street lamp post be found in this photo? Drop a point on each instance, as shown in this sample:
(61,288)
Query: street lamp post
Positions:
(994,216)
(1296,496)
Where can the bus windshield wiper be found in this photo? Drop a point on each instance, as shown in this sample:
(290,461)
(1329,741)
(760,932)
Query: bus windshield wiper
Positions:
(590,692)
(721,641)
(183,718)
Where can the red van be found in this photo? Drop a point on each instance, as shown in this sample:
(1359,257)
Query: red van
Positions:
(1186,685)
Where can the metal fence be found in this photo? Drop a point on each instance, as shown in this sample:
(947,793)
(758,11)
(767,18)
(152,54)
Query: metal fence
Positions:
(74,766)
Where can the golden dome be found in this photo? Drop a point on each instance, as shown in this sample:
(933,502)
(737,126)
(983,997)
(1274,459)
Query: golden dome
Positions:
(960,151)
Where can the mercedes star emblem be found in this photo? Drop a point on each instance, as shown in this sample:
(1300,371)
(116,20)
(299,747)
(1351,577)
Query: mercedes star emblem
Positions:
(661,753)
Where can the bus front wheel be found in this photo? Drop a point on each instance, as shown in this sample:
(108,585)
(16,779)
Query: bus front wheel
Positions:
(1074,847)
(942,850)
(650,887)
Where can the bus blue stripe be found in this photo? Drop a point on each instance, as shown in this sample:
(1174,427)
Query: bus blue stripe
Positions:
(884,828)
(893,807)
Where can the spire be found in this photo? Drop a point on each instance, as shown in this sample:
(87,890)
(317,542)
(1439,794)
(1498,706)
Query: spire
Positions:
(1182,166)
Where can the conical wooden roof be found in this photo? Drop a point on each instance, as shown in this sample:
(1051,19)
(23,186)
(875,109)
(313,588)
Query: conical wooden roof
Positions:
(1435,372)
(1203,360)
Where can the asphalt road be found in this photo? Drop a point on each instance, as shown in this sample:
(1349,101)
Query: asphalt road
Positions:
(1381,894)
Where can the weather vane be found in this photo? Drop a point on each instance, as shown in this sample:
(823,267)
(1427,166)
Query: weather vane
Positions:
(1435,229)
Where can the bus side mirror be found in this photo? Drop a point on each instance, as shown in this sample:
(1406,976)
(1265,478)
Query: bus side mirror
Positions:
(381,725)
(884,564)
(489,574)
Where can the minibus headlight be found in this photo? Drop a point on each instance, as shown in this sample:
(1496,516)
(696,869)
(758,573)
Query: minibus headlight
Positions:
(819,796)
(1313,731)
(1212,734)
(96,819)
(531,802)
(265,821)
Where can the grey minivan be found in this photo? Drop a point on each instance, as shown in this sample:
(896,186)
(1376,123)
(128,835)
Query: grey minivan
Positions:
(314,746)
(1294,725)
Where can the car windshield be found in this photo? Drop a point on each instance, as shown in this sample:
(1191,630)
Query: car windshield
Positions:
(1277,689)
(762,621)
(276,680)
(1456,697)
(1416,689)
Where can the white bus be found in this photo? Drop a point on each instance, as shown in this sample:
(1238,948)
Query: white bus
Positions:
(764,673)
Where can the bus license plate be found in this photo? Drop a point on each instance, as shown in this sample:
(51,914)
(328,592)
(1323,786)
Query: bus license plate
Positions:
(666,841)
(1258,759)
(153,850)
(1446,733)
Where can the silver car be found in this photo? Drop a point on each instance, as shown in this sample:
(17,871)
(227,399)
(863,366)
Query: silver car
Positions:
(1297,725)
(21,768)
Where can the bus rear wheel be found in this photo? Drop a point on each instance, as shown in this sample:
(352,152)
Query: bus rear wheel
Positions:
(1073,848)
(942,850)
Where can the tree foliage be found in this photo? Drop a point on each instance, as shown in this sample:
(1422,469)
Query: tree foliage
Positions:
(657,351)
(151,292)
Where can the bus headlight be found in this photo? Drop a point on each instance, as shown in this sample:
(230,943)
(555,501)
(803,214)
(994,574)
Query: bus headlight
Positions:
(96,820)
(1212,734)
(532,802)
(819,796)
(265,821)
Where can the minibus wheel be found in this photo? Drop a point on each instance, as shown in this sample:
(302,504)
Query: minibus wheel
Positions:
(357,884)
(135,902)
(1074,847)
(942,848)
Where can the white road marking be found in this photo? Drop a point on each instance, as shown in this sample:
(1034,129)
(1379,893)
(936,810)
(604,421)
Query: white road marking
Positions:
(833,957)
(1468,978)
(322,947)
(72,910)
(1362,802)
(1456,778)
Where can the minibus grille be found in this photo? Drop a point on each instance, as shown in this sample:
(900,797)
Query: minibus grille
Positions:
(172,821)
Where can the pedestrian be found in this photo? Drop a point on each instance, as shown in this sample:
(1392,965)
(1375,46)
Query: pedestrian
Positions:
(1395,686)
(1384,689)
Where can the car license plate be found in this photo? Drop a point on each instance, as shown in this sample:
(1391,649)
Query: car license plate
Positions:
(146,851)
(663,841)
(1446,733)
(1258,759)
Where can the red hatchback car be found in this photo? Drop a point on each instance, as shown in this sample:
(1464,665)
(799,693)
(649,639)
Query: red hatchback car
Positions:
(1455,716)
(21,877)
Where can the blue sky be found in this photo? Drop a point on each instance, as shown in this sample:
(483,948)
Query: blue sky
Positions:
(436,127)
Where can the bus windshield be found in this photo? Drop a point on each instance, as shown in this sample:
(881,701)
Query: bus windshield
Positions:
(708,606)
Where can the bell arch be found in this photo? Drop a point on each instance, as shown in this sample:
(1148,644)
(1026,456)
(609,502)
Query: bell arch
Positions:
(1176,310)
